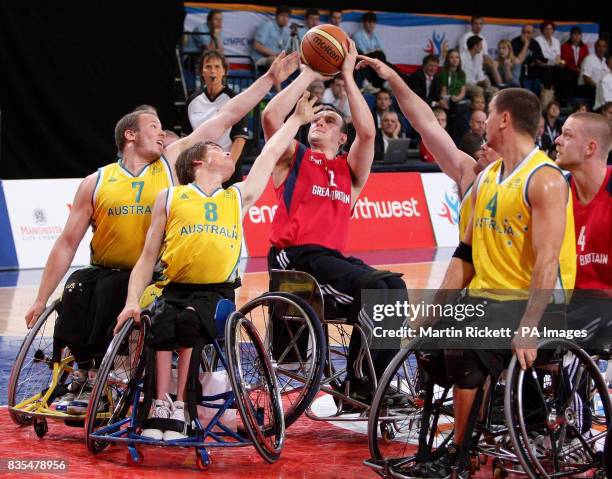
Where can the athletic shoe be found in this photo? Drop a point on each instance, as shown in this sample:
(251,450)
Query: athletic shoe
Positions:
(79,378)
(160,412)
(81,402)
(176,422)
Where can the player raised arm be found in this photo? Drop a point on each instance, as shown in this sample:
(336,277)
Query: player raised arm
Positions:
(238,107)
(255,183)
(453,162)
(143,270)
(361,154)
(65,247)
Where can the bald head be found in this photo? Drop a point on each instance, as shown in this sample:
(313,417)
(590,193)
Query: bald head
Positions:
(477,122)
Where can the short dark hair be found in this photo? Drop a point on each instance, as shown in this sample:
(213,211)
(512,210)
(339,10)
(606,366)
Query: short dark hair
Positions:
(333,10)
(311,12)
(545,23)
(473,41)
(128,122)
(382,90)
(430,58)
(523,106)
(476,17)
(211,14)
(369,17)
(330,107)
(607,105)
(576,29)
(184,164)
(283,9)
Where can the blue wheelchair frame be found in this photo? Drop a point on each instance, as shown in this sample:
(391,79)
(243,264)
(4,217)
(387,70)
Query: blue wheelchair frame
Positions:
(226,438)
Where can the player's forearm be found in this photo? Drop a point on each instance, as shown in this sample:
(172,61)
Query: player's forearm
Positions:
(543,282)
(239,106)
(139,279)
(280,106)
(59,261)
(418,113)
(362,119)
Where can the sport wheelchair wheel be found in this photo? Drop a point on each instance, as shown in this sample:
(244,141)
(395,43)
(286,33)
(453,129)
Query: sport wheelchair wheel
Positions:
(121,368)
(297,360)
(255,387)
(33,368)
(400,426)
(546,406)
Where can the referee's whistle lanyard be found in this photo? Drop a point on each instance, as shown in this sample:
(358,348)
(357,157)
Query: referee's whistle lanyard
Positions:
(552,133)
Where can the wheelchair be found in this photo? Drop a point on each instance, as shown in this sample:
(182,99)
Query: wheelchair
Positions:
(119,405)
(40,375)
(42,372)
(308,343)
(525,423)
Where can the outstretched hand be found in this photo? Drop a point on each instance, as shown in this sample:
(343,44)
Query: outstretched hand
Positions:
(382,70)
(283,66)
(348,65)
(305,109)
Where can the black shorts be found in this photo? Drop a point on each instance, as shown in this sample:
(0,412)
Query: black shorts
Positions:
(175,298)
(591,314)
(92,299)
(339,276)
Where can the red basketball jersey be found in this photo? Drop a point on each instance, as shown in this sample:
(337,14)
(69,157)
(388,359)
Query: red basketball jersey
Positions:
(314,202)
(593,223)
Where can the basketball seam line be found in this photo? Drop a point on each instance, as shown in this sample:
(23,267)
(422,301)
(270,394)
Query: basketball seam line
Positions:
(320,56)
(331,39)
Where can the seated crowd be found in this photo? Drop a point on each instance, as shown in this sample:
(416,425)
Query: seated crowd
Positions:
(458,85)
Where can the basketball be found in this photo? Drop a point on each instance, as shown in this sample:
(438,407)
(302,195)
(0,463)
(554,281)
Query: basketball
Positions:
(323,48)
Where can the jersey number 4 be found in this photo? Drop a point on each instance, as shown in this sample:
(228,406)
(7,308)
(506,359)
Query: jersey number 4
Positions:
(582,238)
(492,206)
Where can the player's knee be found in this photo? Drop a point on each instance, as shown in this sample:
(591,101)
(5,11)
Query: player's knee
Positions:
(188,329)
(465,368)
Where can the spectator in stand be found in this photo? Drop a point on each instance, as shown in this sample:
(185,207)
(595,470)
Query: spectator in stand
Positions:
(311,19)
(207,36)
(271,38)
(476,27)
(573,53)
(507,66)
(316,90)
(442,118)
(336,96)
(382,106)
(528,51)
(603,92)
(479,104)
(452,89)
(426,84)
(335,17)
(593,69)
(475,79)
(390,129)
(476,133)
(606,111)
(552,126)
(580,107)
(542,141)
(204,105)
(368,44)
(555,81)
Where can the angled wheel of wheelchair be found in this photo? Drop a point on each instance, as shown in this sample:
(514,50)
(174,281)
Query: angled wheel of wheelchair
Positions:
(121,369)
(297,361)
(545,412)
(33,368)
(255,387)
(399,424)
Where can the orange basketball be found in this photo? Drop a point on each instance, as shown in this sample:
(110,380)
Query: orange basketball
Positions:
(323,48)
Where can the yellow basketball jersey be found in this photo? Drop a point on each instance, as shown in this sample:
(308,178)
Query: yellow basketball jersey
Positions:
(465,211)
(203,235)
(122,205)
(502,242)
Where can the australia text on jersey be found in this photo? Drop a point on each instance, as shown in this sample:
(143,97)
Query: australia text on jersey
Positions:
(212,229)
(129,210)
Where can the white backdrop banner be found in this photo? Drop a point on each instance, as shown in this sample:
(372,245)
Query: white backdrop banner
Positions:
(443,203)
(406,37)
(38,210)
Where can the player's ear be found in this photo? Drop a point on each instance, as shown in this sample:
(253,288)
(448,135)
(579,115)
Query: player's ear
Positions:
(343,138)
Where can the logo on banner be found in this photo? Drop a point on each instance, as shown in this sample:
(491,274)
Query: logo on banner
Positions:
(450,208)
(39,216)
(437,45)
